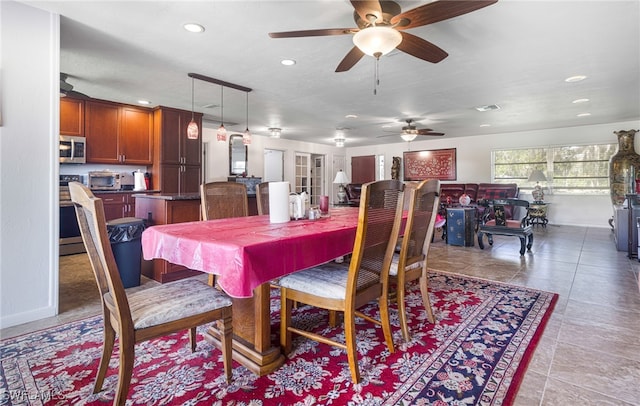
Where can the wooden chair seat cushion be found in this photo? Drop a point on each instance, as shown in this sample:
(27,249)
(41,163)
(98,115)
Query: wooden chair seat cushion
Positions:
(328,280)
(508,223)
(393,271)
(172,301)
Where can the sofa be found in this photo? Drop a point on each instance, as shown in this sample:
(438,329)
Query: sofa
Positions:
(450,194)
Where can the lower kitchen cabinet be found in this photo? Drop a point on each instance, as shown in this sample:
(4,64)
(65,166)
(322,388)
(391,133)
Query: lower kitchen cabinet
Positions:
(117,205)
(167,208)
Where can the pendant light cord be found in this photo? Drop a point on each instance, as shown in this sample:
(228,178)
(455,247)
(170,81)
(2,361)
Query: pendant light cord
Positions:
(191,99)
(222,105)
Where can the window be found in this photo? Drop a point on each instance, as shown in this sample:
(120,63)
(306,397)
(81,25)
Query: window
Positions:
(569,169)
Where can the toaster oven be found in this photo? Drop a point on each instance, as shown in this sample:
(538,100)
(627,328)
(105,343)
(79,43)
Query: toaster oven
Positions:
(105,180)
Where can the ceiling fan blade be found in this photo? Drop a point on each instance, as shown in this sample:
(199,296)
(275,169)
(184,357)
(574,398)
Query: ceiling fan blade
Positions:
(313,33)
(423,132)
(368,7)
(421,48)
(437,11)
(350,59)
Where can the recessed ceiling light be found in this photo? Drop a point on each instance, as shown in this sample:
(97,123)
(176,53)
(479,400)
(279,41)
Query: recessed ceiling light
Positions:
(485,125)
(288,62)
(584,114)
(145,102)
(576,78)
(193,27)
(488,107)
(576,101)
(351,116)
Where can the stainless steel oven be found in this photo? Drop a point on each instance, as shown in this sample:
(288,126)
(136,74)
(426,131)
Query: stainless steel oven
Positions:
(70,238)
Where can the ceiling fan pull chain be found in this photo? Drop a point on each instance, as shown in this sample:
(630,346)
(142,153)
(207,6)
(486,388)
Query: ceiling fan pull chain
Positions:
(376,78)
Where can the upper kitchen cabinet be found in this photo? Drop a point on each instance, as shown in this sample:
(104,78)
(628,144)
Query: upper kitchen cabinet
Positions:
(118,134)
(71,116)
(178,160)
(172,144)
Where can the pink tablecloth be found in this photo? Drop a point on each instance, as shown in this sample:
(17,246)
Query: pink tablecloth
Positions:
(248,251)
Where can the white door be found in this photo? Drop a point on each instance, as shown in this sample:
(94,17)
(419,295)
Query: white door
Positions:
(273,165)
(303,173)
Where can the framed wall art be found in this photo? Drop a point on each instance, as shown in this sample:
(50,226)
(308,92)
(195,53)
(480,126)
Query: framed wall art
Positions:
(430,164)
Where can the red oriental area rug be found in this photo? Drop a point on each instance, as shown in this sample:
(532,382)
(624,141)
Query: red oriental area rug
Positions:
(475,353)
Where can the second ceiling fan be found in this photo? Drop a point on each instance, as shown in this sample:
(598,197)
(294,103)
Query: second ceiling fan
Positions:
(410,131)
(381,25)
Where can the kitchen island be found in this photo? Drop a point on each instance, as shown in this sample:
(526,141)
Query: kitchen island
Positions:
(167,208)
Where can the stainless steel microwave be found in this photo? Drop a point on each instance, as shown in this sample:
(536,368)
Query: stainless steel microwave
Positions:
(73,149)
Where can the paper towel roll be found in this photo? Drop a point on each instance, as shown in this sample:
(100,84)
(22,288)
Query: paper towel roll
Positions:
(278,202)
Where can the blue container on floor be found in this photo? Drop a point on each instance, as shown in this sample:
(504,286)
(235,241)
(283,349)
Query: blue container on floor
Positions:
(461,226)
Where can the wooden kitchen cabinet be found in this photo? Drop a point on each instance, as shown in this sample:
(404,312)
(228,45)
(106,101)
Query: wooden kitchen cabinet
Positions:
(71,117)
(167,209)
(117,205)
(179,178)
(118,134)
(177,166)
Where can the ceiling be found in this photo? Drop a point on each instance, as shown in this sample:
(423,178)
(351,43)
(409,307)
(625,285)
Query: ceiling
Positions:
(514,54)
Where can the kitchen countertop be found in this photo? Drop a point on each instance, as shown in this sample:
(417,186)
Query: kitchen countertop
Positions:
(169,196)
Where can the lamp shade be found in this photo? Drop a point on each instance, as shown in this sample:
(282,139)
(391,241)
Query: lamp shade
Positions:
(537,176)
(377,41)
(341,178)
(408,137)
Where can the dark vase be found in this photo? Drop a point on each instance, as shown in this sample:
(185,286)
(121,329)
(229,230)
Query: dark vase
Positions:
(624,166)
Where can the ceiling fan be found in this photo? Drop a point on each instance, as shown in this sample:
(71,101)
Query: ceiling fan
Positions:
(381,25)
(66,89)
(410,132)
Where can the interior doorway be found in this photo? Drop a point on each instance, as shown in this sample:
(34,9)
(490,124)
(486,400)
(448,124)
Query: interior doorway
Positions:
(273,165)
(310,175)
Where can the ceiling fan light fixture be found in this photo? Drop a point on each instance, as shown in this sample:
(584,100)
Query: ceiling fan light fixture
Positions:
(377,41)
(409,137)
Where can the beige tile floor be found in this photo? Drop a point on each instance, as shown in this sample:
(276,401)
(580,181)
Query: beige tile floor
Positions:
(590,351)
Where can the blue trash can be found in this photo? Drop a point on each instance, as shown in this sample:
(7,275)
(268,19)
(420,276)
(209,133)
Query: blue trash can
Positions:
(125,236)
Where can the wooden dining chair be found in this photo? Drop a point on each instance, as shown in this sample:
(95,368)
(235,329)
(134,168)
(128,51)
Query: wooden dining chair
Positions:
(144,314)
(410,264)
(221,200)
(347,287)
(262,198)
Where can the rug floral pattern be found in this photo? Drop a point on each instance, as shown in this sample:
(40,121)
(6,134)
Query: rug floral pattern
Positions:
(475,353)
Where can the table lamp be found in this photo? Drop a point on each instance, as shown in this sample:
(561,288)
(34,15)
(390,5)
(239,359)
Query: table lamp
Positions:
(341,179)
(537,193)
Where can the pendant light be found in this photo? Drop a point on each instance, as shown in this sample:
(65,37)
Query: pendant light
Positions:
(246,137)
(192,128)
(222,132)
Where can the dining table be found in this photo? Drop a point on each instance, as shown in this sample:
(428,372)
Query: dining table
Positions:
(246,254)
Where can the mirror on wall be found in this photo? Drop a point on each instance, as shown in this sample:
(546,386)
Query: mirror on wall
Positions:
(238,155)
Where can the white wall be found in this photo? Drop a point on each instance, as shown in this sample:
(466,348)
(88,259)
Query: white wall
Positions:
(28,164)
(474,163)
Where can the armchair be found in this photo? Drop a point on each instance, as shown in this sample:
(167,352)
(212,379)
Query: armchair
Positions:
(501,225)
